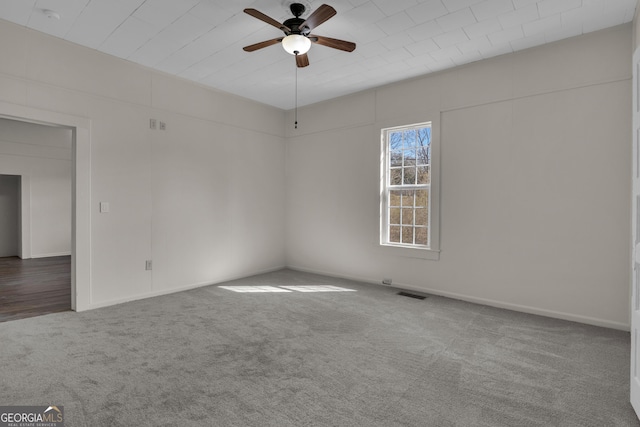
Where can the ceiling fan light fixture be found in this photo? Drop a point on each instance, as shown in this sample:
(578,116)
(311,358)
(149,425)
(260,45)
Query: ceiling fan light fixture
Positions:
(296,44)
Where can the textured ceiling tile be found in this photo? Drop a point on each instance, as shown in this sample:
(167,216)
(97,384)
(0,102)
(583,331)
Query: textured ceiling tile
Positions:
(375,62)
(519,16)
(370,50)
(17,11)
(163,12)
(425,31)
(483,28)
(396,42)
(552,7)
(98,20)
(356,3)
(475,45)
(455,5)
(519,4)
(455,20)
(542,26)
(506,36)
(368,13)
(150,54)
(451,38)
(211,14)
(128,37)
(491,8)
(422,47)
(419,65)
(447,53)
(183,31)
(210,65)
(394,7)
(394,24)
(427,11)
(397,55)
(68,10)
(369,33)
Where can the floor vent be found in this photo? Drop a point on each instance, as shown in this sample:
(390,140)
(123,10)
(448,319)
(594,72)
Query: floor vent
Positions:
(411,295)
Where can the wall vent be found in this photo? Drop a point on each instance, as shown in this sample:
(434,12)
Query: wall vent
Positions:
(411,295)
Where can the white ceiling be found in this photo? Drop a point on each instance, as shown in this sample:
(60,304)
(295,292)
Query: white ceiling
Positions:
(202,40)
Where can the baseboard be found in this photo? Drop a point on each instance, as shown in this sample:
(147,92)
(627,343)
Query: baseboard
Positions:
(484,301)
(51,255)
(178,289)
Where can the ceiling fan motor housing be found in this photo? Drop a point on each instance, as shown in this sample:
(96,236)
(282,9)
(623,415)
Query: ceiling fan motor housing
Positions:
(297,9)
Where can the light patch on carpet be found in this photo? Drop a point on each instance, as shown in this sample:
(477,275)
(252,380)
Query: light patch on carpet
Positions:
(254,289)
(321,288)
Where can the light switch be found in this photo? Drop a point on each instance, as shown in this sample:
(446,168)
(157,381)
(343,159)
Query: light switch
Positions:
(104,207)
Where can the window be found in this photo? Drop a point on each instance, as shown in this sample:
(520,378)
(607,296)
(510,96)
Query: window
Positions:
(406,194)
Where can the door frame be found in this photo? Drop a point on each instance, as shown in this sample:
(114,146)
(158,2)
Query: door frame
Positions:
(634,371)
(21,208)
(80,194)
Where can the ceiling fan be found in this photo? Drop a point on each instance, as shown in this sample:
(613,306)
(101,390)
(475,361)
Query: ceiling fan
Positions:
(298,37)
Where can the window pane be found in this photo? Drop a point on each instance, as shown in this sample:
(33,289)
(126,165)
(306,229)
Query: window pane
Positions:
(424,175)
(424,136)
(407,235)
(409,175)
(394,234)
(421,216)
(409,157)
(422,198)
(395,176)
(395,158)
(410,138)
(394,198)
(407,216)
(422,236)
(407,197)
(395,141)
(394,216)
(422,155)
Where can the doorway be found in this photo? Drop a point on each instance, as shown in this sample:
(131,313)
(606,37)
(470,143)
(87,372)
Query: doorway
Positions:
(10,216)
(81,193)
(35,218)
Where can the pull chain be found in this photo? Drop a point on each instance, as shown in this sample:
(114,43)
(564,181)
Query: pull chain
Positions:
(296,110)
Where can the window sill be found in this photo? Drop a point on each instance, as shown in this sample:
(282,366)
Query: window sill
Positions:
(407,252)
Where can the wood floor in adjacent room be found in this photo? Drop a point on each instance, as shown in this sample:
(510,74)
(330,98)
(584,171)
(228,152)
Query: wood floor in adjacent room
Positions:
(33,287)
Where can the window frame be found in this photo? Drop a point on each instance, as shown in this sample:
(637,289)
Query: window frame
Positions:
(432,251)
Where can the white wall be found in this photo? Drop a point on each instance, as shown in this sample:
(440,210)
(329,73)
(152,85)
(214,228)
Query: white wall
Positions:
(203,199)
(535,186)
(42,156)
(9,215)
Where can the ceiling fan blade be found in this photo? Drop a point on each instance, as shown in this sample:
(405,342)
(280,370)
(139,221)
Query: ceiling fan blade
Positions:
(261,16)
(334,43)
(320,15)
(254,47)
(302,60)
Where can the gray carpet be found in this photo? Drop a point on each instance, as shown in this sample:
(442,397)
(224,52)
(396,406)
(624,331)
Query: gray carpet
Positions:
(213,357)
